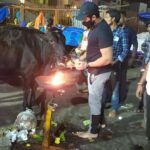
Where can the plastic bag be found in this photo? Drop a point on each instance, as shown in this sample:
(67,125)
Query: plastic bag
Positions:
(26,120)
(11,135)
(22,135)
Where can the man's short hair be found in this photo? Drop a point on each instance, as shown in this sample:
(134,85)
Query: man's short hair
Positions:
(114,14)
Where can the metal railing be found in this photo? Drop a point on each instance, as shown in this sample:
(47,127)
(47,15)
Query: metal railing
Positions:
(61,16)
(64,16)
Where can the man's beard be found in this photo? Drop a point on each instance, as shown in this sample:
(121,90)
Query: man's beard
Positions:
(120,25)
(88,24)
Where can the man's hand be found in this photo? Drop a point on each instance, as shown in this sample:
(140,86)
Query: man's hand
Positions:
(130,62)
(115,62)
(139,91)
(69,64)
(80,65)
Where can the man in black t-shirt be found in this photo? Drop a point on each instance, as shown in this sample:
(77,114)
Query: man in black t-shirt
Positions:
(99,59)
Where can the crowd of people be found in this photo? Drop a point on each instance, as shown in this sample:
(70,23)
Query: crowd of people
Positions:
(106,59)
(40,23)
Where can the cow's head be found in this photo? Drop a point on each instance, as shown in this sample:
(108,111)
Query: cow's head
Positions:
(53,49)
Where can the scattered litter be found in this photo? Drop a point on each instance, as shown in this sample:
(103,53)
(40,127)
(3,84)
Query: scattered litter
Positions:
(28,145)
(60,134)
(86,122)
(103,126)
(37,137)
(54,124)
(11,135)
(26,120)
(57,140)
(15,135)
(62,137)
(32,131)
(22,135)
(126,106)
(25,125)
(53,106)
(120,117)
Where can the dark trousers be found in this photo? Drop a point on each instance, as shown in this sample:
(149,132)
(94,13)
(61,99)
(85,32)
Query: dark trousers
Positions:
(97,120)
(116,88)
(148,116)
(123,81)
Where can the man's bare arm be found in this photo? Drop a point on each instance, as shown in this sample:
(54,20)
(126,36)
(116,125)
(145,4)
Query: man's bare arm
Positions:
(143,78)
(106,58)
(140,86)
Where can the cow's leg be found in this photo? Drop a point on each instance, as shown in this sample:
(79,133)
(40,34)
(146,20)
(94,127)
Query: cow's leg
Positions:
(43,103)
(25,103)
(32,97)
(28,94)
(40,98)
(27,99)
(25,89)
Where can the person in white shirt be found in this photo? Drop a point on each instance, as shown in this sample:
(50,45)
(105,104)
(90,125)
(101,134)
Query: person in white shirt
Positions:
(81,54)
(81,50)
(84,42)
(140,89)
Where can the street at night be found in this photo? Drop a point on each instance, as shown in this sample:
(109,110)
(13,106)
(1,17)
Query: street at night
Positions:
(125,132)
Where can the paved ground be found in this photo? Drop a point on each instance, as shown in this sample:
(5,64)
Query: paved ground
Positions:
(121,134)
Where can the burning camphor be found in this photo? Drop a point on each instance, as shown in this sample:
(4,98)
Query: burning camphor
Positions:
(58,79)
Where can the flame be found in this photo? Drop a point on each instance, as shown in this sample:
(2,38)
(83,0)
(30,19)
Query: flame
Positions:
(58,79)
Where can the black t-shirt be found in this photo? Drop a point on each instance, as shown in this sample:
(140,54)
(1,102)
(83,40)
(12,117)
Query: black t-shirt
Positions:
(99,37)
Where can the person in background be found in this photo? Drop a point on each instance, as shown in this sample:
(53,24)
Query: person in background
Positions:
(81,50)
(120,52)
(50,24)
(146,46)
(98,63)
(132,36)
(17,19)
(40,22)
(139,91)
(146,49)
(129,60)
(81,54)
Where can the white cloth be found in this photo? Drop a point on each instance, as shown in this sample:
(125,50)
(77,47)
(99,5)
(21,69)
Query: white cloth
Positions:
(141,38)
(148,80)
(84,42)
